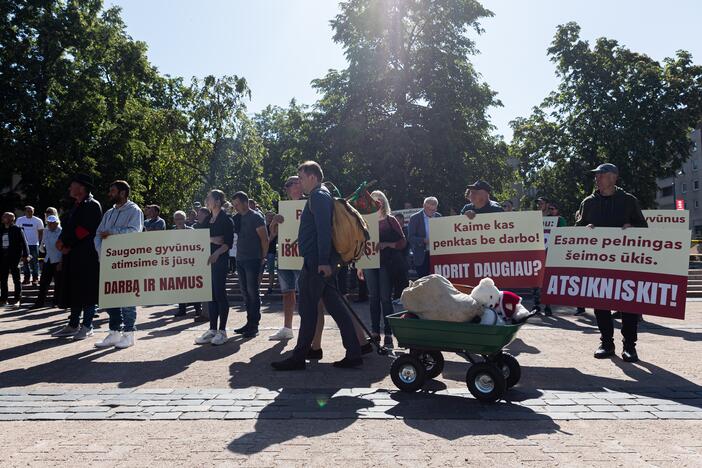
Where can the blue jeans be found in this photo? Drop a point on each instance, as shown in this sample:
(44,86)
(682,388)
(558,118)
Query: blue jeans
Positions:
(219,305)
(88,314)
(122,316)
(33,264)
(380,298)
(248,271)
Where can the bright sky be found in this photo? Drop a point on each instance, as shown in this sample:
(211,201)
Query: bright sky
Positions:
(279,46)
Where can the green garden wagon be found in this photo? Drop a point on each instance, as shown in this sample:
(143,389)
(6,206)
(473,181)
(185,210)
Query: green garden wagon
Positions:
(492,370)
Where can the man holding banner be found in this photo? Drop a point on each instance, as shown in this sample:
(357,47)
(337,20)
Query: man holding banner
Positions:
(478,196)
(610,206)
(124,217)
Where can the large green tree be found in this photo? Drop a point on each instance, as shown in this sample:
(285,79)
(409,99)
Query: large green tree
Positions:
(79,94)
(410,110)
(612,105)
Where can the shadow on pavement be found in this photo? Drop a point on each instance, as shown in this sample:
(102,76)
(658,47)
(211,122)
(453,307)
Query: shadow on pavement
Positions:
(83,368)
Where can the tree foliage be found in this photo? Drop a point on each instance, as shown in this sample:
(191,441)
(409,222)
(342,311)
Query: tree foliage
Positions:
(612,105)
(410,109)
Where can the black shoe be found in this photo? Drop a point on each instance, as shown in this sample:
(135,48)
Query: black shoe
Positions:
(604,353)
(348,363)
(200,318)
(580,311)
(547,311)
(180,313)
(25,281)
(250,333)
(289,364)
(629,355)
(536,308)
(243,329)
(617,315)
(366,348)
(314,354)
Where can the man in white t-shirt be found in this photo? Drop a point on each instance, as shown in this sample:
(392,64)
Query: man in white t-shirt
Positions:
(33,228)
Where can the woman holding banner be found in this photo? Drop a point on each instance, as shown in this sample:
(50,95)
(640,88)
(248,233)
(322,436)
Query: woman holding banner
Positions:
(380,281)
(221,239)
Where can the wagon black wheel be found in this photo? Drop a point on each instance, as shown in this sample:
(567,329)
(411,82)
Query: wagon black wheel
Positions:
(486,382)
(407,373)
(433,362)
(511,369)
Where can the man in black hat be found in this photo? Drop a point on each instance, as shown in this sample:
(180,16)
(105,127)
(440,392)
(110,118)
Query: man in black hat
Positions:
(478,196)
(610,206)
(80,259)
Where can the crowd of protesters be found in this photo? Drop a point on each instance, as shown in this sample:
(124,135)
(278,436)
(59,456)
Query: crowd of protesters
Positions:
(244,240)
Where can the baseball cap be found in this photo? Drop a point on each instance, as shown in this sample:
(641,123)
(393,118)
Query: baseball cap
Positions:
(606,167)
(481,185)
(52,219)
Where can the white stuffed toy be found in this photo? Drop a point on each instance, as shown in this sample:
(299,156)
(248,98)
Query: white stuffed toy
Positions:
(507,305)
(435,298)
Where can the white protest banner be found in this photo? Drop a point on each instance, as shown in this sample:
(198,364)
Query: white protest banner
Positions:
(550,222)
(640,270)
(675,219)
(158,267)
(371,256)
(507,247)
(288,249)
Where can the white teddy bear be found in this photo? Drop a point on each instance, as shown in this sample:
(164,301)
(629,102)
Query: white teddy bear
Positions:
(500,306)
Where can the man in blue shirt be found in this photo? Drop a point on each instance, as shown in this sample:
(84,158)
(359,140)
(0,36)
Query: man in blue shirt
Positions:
(478,195)
(319,273)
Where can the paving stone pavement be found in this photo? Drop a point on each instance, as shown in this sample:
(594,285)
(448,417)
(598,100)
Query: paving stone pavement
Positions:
(352,403)
(166,401)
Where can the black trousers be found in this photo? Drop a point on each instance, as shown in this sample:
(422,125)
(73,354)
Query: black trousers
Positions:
(313,288)
(9,266)
(605,322)
(48,274)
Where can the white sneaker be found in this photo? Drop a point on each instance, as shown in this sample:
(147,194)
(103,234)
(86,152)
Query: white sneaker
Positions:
(126,341)
(283,334)
(220,338)
(206,337)
(111,339)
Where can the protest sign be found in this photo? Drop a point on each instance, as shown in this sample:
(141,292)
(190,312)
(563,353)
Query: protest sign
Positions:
(371,256)
(675,219)
(288,250)
(158,267)
(640,270)
(507,247)
(407,213)
(550,222)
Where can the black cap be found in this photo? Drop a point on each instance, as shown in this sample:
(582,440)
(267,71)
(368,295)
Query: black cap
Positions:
(83,179)
(544,199)
(606,167)
(481,185)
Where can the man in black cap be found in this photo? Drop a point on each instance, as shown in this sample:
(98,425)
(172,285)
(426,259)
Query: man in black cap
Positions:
(610,206)
(80,259)
(478,195)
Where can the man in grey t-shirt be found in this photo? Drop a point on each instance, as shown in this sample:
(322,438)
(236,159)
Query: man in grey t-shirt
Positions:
(251,251)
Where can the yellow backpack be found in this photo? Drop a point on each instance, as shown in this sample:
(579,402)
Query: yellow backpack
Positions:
(349,231)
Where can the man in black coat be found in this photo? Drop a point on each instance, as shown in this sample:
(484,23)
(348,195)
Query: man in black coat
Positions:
(610,206)
(80,259)
(13,247)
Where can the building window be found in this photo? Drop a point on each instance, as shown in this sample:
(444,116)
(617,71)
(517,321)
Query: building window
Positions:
(683,188)
(695,164)
(696,185)
(697,204)
(667,191)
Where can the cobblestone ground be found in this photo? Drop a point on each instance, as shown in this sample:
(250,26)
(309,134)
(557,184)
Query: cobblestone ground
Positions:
(167,401)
